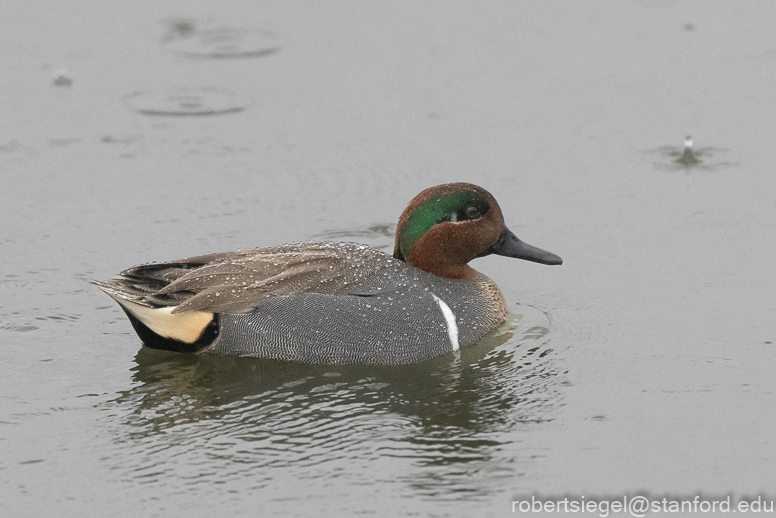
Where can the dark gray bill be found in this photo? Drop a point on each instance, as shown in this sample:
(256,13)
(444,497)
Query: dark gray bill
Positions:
(509,245)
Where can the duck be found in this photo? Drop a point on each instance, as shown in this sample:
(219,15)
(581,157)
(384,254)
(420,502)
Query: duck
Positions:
(325,302)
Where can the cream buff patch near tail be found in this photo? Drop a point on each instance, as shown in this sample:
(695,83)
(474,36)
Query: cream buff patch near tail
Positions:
(185,327)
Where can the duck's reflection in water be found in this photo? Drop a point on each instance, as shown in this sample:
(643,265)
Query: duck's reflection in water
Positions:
(452,411)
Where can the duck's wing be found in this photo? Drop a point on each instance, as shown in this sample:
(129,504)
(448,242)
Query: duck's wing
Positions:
(235,282)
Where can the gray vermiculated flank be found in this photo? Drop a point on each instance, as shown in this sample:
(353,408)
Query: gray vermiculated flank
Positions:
(399,324)
(320,328)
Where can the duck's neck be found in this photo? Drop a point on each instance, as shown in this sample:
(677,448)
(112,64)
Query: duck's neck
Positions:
(448,271)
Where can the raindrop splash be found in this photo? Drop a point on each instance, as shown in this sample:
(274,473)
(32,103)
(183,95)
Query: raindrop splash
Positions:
(688,157)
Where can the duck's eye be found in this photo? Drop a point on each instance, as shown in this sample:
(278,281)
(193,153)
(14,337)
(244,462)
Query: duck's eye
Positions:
(472,212)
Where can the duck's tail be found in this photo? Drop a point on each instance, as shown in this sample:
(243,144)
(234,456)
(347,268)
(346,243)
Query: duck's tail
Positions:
(154,322)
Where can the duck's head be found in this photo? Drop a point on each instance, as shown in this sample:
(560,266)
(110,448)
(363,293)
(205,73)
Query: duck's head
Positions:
(445,227)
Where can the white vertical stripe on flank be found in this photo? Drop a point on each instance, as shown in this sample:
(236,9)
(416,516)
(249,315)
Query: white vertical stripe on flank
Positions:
(452,327)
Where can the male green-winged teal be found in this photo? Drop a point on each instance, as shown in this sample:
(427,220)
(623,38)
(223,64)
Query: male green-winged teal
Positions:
(323,302)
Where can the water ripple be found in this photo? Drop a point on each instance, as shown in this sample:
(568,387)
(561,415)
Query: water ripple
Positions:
(196,102)
(220,42)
